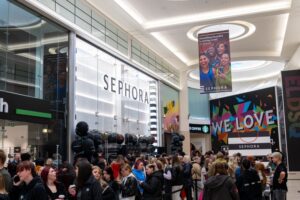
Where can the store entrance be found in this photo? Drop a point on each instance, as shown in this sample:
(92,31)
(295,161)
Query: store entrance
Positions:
(18,136)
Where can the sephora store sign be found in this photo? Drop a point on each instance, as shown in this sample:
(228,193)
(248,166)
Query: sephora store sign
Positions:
(111,95)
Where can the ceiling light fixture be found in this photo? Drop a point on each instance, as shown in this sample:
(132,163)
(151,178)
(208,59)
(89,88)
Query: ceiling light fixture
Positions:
(219,14)
(237,30)
(131,11)
(171,47)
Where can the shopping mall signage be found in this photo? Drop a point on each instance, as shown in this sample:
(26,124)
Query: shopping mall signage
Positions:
(22,108)
(251,112)
(125,89)
(199,128)
(291,94)
(244,122)
(3,106)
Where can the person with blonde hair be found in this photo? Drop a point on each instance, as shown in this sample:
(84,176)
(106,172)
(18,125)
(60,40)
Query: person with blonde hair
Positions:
(279,185)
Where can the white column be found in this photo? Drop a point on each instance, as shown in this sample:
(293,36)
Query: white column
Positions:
(184,112)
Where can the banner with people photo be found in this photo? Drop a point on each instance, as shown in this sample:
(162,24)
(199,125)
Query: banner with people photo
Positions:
(240,122)
(214,62)
(291,94)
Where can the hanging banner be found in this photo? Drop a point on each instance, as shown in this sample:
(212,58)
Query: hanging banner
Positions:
(246,118)
(214,62)
(291,96)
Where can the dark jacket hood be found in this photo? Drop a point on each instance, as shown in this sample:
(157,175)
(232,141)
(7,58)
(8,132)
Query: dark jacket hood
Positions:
(33,182)
(216,181)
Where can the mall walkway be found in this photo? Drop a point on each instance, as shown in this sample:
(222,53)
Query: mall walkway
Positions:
(294,190)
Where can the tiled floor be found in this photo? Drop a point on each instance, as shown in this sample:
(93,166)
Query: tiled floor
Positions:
(294,190)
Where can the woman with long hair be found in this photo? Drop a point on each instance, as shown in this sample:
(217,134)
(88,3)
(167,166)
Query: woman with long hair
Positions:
(108,176)
(87,187)
(207,74)
(54,189)
(139,173)
(177,177)
(3,192)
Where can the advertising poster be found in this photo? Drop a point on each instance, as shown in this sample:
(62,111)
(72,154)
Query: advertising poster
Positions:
(214,62)
(170,103)
(247,117)
(291,94)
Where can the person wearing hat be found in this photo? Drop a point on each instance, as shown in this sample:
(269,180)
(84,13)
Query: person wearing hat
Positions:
(279,178)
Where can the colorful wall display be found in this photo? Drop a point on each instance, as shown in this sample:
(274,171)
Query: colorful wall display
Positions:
(252,112)
(170,110)
(214,62)
(291,94)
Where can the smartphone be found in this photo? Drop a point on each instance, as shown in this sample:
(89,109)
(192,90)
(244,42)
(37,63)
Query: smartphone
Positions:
(16,179)
(221,70)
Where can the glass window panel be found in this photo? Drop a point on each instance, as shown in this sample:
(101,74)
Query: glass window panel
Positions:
(83,6)
(67,5)
(123,35)
(33,63)
(111,27)
(122,42)
(111,42)
(123,49)
(100,19)
(82,15)
(98,34)
(98,26)
(65,13)
(49,3)
(111,35)
(83,24)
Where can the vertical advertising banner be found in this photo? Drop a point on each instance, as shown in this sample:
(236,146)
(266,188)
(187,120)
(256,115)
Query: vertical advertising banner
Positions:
(214,62)
(291,96)
(240,123)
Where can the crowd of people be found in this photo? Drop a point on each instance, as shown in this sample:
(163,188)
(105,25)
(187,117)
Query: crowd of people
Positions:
(205,177)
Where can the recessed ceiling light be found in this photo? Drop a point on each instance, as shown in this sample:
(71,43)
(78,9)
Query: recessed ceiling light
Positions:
(170,46)
(247,65)
(237,30)
(204,16)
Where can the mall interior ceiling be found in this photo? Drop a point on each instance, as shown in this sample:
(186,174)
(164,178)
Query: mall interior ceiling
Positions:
(264,34)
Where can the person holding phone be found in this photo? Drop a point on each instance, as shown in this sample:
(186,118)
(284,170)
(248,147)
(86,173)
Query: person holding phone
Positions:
(27,185)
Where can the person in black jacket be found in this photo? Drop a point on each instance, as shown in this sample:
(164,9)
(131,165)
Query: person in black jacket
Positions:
(29,186)
(177,178)
(248,183)
(54,189)
(220,186)
(87,187)
(153,184)
(108,176)
(129,189)
(107,192)
(187,177)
